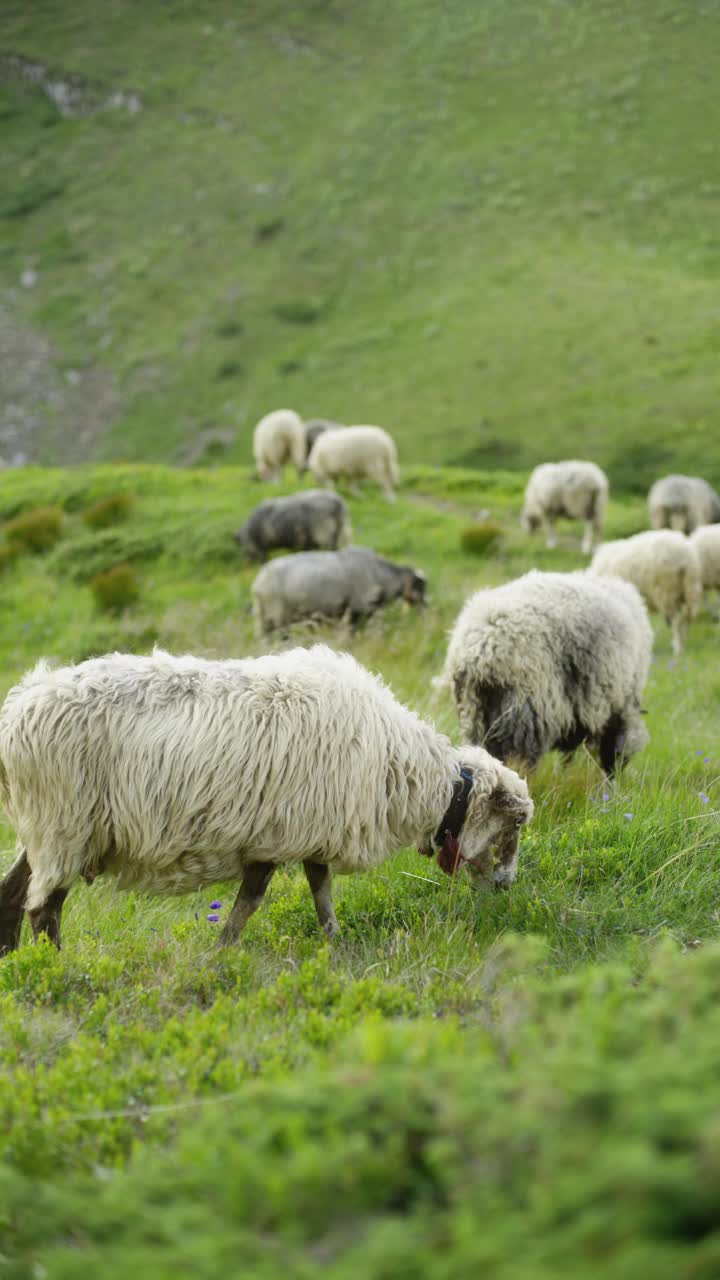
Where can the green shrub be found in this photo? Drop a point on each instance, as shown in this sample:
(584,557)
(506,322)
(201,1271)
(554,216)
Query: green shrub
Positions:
(298,311)
(229,369)
(116,589)
(9,552)
(38,529)
(480,537)
(107,511)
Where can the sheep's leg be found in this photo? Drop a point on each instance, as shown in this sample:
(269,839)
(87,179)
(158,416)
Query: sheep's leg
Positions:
(677,626)
(46,919)
(252,890)
(320,881)
(13,888)
(549,531)
(587,541)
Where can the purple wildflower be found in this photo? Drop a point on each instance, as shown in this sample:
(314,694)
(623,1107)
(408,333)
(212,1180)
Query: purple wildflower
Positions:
(705,799)
(215,906)
(707,760)
(700,752)
(605,796)
(629,816)
(213,917)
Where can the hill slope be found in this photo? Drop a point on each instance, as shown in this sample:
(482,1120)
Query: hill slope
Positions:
(492,229)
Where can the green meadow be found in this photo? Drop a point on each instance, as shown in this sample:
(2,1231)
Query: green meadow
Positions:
(491,228)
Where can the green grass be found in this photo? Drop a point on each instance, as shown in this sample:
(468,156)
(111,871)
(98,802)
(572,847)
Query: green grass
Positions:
(548,1050)
(492,230)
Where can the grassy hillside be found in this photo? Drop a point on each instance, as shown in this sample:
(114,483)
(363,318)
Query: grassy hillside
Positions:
(491,228)
(518,1081)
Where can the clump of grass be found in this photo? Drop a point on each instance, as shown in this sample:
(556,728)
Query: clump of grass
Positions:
(478,538)
(266,230)
(108,511)
(30,196)
(229,369)
(9,552)
(229,328)
(38,529)
(83,557)
(298,311)
(116,589)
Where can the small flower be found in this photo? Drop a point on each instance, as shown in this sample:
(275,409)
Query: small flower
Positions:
(700,751)
(213,917)
(215,906)
(707,760)
(705,799)
(605,796)
(629,816)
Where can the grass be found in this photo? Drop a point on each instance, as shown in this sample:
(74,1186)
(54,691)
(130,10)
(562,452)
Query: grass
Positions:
(141,1053)
(492,231)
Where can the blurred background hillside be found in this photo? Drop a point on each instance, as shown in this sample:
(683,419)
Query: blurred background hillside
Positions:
(491,228)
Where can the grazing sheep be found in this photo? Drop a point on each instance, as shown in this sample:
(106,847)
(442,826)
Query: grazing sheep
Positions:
(664,567)
(353,582)
(706,541)
(682,503)
(279,438)
(316,427)
(549,661)
(577,490)
(353,453)
(172,773)
(314,518)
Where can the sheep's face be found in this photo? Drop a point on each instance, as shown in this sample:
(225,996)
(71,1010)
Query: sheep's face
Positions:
(242,537)
(529,522)
(414,587)
(490,838)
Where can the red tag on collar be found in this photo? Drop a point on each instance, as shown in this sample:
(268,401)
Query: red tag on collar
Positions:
(449,856)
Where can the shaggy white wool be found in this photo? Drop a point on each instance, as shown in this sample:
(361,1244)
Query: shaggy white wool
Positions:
(664,567)
(706,541)
(682,503)
(175,772)
(279,437)
(355,453)
(535,661)
(574,489)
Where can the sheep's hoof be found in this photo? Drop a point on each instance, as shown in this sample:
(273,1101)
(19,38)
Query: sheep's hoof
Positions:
(331,929)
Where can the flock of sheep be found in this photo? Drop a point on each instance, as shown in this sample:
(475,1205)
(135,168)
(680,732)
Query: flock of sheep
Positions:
(173,773)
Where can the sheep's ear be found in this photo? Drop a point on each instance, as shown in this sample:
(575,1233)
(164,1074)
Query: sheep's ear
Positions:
(507,802)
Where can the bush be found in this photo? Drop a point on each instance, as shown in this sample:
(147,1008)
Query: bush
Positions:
(36,530)
(107,511)
(116,589)
(84,557)
(480,537)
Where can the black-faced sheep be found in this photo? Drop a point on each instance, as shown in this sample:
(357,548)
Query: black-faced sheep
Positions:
(173,773)
(315,519)
(351,583)
(664,567)
(549,661)
(576,490)
(682,503)
(355,453)
(316,427)
(279,438)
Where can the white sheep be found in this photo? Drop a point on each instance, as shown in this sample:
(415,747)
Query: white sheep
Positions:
(706,541)
(549,661)
(172,773)
(279,437)
(576,490)
(355,453)
(682,503)
(664,567)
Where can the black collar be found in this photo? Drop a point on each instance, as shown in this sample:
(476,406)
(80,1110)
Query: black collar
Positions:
(454,818)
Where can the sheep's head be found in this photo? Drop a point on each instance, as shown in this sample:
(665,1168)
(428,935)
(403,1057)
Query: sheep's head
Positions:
(529,520)
(414,585)
(498,807)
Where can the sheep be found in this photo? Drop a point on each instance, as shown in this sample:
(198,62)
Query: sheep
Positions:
(315,427)
(549,661)
(706,541)
(577,490)
(173,773)
(682,503)
(279,437)
(354,452)
(314,518)
(350,583)
(664,567)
